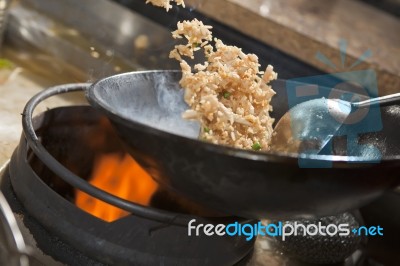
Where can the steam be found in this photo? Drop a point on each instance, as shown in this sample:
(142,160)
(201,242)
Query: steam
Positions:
(170,99)
(154,100)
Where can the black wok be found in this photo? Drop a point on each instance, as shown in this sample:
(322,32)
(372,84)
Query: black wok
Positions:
(146,108)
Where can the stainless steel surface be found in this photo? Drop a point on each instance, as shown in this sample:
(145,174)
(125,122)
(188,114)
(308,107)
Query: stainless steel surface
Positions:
(30,30)
(46,52)
(4,6)
(13,250)
(138,41)
(302,28)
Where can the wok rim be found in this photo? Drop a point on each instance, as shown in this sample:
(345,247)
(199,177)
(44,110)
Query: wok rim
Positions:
(264,156)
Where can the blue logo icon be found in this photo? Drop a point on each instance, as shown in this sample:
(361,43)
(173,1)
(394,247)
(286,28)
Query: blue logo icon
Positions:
(335,93)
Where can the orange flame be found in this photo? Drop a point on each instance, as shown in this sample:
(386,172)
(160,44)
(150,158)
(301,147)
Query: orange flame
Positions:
(121,176)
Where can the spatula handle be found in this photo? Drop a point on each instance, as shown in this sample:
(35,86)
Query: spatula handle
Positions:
(381,101)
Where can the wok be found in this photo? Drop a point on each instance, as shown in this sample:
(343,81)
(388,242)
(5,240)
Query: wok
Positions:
(145,108)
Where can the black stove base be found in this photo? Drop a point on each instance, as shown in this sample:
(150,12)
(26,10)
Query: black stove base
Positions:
(50,250)
(46,242)
(150,235)
(56,251)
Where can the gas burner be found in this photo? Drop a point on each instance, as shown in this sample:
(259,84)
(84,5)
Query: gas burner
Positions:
(146,235)
(62,208)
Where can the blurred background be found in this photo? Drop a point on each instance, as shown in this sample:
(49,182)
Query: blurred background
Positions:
(72,40)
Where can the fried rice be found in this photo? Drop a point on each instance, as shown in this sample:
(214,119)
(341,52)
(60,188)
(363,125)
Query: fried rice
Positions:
(227,94)
(165,3)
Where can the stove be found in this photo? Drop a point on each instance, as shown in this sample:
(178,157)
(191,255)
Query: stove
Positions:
(149,235)
(42,188)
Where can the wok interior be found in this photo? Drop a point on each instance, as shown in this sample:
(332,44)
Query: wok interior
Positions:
(155,99)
